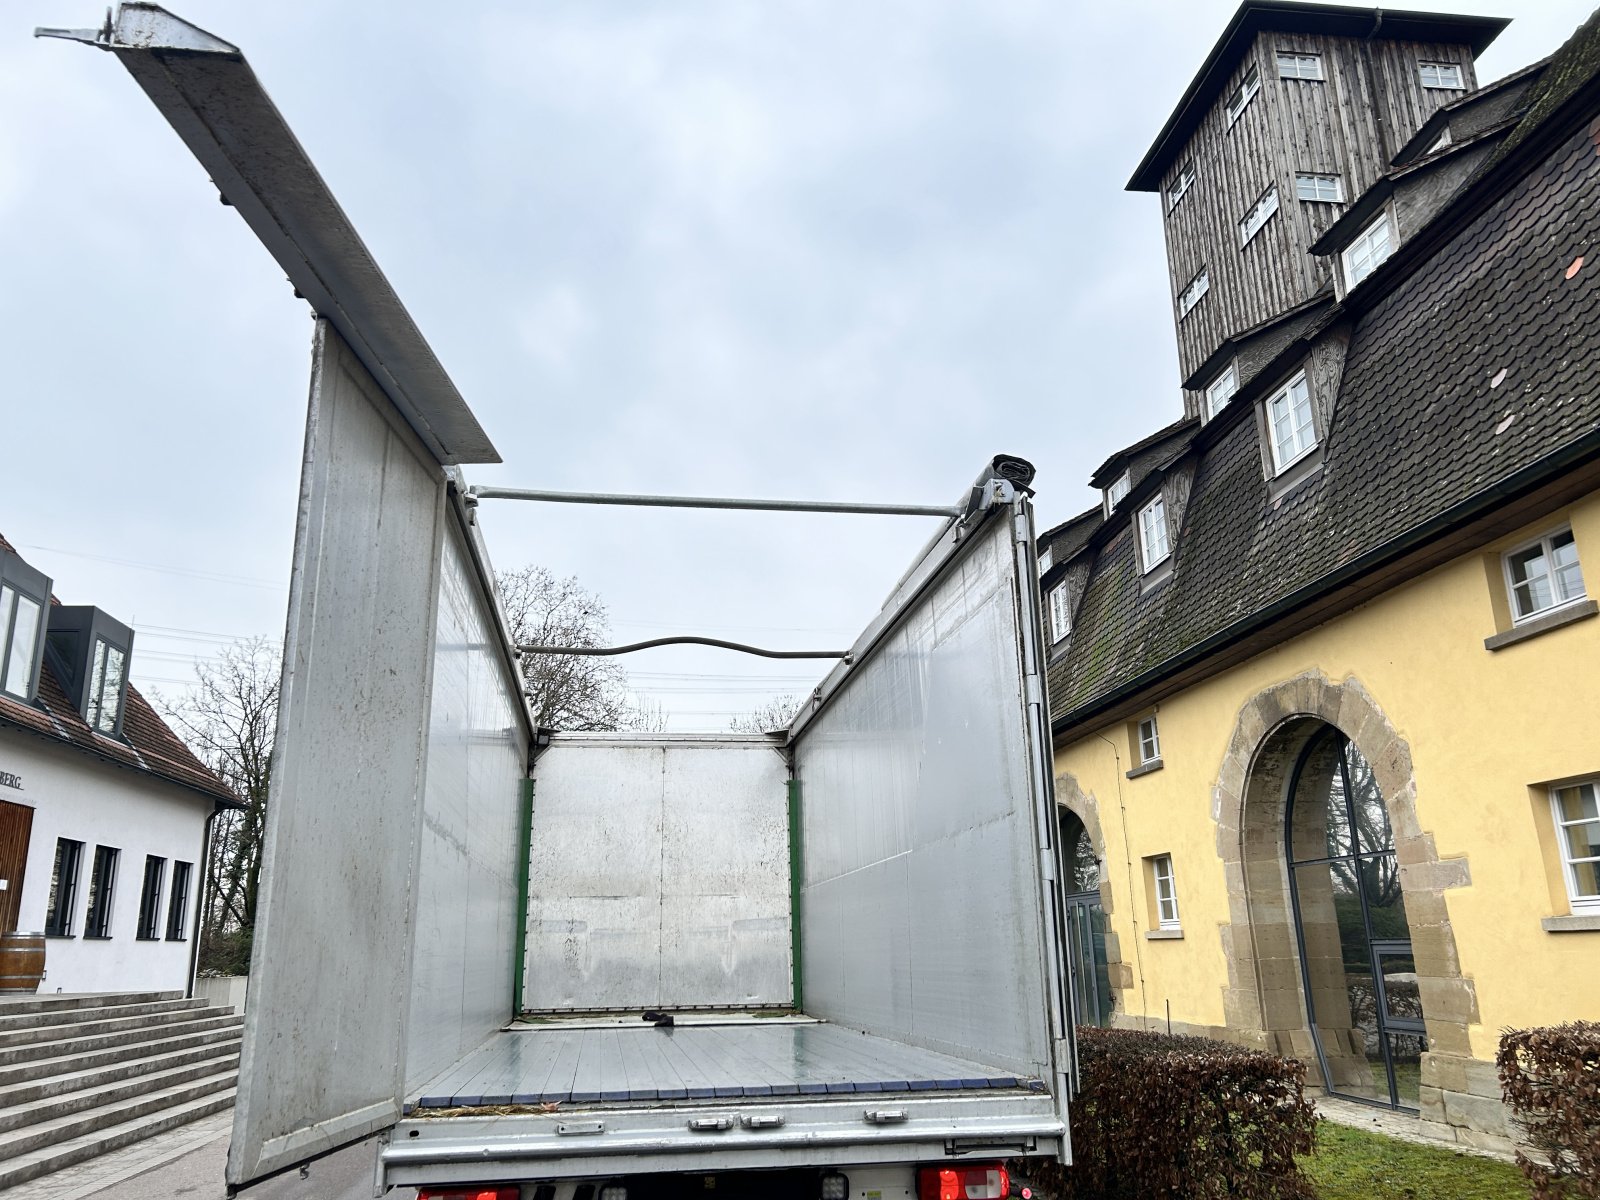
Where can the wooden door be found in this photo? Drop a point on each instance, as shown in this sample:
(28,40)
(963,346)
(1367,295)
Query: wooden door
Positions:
(16,822)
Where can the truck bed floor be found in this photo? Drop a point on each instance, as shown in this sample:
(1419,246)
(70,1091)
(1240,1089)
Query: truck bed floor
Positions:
(694,1062)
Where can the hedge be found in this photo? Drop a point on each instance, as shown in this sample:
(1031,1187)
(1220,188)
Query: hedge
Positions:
(1550,1078)
(1161,1116)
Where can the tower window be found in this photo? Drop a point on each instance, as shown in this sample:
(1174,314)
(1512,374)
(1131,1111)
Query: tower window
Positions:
(1243,94)
(1441,75)
(1324,188)
(1190,296)
(1260,213)
(1180,186)
(1292,65)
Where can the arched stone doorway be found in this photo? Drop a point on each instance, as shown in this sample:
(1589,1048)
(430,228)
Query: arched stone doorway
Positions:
(1294,733)
(1100,976)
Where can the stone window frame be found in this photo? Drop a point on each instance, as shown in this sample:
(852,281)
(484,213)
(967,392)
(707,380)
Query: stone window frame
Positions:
(1578,904)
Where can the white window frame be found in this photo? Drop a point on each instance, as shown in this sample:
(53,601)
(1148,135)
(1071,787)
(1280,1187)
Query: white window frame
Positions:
(1117,490)
(1317,180)
(1180,186)
(1221,390)
(1060,613)
(1166,887)
(1193,292)
(1440,142)
(1302,439)
(1254,221)
(1148,735)
(1047,559)
(1440,71)
(1561,597)
(1365,243)
(1580,902)
(1243,94)
(1301,65)
(1155,541)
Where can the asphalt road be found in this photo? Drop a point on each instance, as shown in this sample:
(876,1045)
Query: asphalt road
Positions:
(346,1175)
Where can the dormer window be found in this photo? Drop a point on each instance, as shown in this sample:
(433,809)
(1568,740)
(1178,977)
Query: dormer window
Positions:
(1116,492)
(1154,547)
(1243,94)
(1370,247)
(1180,185)
(1289,422)
(1047,559)
(89,653)
(1060,613)
(1293,65)
(24,598)
(1190,296)
(1221,391)
(1260,213)
(1441,75)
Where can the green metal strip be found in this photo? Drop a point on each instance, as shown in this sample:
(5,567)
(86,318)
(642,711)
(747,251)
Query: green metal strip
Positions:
(525,854)
(796,878)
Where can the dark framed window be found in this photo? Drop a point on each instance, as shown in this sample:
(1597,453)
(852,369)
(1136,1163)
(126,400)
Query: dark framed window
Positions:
(155,872)
(63,888)
(106,686)
(102,885)
(178,903)
(20,616)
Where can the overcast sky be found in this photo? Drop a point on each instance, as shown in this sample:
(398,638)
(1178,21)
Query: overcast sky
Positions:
(844,250)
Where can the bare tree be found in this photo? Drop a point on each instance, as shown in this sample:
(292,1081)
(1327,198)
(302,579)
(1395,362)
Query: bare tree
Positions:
(774,714)
(571,692)
(230,720)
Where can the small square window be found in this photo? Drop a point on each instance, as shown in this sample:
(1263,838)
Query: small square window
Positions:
(1116,492)
(1166,891)
(1326,189)
(1576,810)
(1154,546)
(1293,65)
(1193,291)
(1060,613)
(1260,213)
(1180,185)
(1243,94)
(1441,75)
(1221,391)
(1544,575)
(1149,740)
(1370,247)
(1291,429)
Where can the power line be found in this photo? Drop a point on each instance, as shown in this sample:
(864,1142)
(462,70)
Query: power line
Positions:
(188,572)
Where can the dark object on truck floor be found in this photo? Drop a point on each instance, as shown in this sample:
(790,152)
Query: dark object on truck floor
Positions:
(659,1018)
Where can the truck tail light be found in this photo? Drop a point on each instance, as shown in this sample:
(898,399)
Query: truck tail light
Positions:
(981,1181)
(470,1193)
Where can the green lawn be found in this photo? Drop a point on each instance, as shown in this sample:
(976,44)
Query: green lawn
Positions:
(1351,1164)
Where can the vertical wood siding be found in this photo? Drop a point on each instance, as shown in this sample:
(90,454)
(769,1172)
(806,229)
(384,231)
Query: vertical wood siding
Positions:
(1348,124)
(16,822)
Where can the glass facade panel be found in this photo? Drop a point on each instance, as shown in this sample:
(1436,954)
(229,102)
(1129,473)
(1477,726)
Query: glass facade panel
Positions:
(1405,1052)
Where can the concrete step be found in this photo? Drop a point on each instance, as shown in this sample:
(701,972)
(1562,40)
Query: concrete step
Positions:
(90,1023)
(75,1080)
(13,1003)
(52,1132)
(11,1022)
(118,1092)
(188,1022)
(79,1149)
(65,1058)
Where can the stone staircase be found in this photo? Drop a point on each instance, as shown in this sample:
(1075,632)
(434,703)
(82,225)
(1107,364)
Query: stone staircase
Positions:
(83,1075)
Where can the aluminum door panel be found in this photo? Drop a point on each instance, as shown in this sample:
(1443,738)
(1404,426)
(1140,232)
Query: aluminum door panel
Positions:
(323,1054)
(658,874)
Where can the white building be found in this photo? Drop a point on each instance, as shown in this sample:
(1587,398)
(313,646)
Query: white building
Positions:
(104,812)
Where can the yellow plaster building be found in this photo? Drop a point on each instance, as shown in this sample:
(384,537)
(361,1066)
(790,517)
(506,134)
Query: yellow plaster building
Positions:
(1325,673)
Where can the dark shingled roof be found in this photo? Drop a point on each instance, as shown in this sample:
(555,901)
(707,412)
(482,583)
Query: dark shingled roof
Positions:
(1481,363)
(147,744)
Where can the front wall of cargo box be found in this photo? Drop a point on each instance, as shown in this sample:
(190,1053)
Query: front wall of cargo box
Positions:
(921,907)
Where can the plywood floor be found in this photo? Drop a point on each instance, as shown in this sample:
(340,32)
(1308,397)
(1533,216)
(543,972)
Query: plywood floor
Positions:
(694,1062)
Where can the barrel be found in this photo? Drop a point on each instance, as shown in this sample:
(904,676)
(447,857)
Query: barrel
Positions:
(21,962)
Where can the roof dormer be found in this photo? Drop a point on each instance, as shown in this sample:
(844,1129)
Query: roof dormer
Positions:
(89,651)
